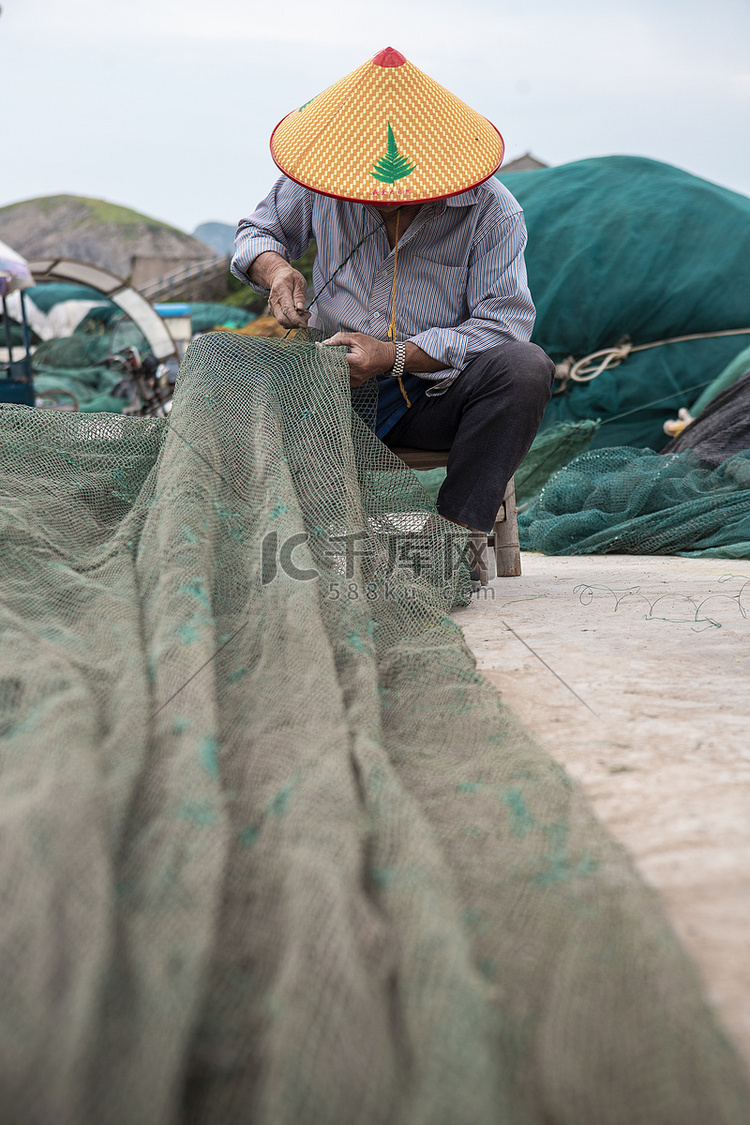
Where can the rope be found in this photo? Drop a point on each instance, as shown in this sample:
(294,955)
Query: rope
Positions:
(657,401)
(392,325)
(586,369)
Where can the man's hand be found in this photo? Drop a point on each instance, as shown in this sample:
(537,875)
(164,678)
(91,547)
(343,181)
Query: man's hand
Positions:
(367,356)
(288,289)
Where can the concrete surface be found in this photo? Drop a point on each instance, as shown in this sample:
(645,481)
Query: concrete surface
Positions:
(633,673)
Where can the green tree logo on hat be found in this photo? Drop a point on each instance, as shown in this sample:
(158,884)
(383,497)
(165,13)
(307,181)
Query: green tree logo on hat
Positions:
(392,166)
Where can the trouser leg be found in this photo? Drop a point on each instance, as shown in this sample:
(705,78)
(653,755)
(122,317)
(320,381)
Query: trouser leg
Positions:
(488,419)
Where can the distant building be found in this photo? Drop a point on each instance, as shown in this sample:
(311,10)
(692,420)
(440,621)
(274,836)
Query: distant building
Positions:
(525,163)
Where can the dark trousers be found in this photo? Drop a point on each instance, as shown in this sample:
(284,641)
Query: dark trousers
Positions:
(488,419)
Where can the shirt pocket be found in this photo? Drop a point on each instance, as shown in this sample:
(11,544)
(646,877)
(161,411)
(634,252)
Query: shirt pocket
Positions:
(439,293)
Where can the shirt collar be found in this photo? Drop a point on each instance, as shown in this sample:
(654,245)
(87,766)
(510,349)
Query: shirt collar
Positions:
(465,199)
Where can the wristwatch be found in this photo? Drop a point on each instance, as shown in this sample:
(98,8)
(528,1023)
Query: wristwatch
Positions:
(398,368)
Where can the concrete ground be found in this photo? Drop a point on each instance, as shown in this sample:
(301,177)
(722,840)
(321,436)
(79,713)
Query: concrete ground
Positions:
(633,672)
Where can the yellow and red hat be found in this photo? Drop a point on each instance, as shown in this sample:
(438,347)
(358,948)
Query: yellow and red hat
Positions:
(387,133)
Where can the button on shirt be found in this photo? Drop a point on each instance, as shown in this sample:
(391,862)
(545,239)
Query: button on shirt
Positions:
(461,283)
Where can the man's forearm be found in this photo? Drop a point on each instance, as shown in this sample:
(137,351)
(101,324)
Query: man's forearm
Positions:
(419,361)
(287,288)
(264,267)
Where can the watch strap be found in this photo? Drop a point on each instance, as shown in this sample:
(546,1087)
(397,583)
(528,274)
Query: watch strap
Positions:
(398,368)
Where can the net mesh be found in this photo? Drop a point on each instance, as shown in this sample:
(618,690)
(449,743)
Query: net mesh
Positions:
(721,430)
(271,850)
(636,502)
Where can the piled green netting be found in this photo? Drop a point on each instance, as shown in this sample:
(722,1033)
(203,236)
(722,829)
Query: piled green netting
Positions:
(92,386)
(76,364)
(206,315)
(634,501)
(621,246)
(71,352)
(550,451)
(272,851)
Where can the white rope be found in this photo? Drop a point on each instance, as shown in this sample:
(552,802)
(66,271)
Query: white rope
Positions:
(586,369)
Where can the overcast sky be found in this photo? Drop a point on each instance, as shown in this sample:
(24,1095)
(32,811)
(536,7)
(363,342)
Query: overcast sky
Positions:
(167,106)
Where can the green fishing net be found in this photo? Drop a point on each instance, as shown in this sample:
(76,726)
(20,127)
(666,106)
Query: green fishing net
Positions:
(75,364)
(634,501)
(621,247)
(205,315)
(72,352)
(271,851)
(92,387)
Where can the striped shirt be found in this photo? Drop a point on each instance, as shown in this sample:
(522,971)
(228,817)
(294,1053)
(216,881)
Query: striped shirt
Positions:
(461,283)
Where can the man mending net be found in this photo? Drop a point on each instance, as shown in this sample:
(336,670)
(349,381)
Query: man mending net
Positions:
(420,270)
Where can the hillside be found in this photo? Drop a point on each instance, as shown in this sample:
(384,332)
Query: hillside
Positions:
(93,230)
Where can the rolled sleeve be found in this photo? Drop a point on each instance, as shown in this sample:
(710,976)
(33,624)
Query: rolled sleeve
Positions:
(498,299)
(282,223)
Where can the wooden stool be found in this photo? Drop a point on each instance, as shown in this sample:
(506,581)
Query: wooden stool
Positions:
(504,535)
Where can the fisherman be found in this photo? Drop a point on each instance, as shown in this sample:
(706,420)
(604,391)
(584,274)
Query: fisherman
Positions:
(419,273)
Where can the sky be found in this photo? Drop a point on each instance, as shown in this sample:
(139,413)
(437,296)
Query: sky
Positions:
(167,106)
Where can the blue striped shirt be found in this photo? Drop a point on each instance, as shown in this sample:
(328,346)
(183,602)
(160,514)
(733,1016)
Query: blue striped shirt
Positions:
(460,282)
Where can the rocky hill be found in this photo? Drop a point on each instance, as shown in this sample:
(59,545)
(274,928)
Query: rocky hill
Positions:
(92,230)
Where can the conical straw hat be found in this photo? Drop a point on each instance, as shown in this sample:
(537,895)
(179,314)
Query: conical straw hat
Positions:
(387,133)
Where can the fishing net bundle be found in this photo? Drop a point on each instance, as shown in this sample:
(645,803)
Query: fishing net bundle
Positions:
(691,499)
(271,851)
(75,365)
(635,502)
(625,248)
